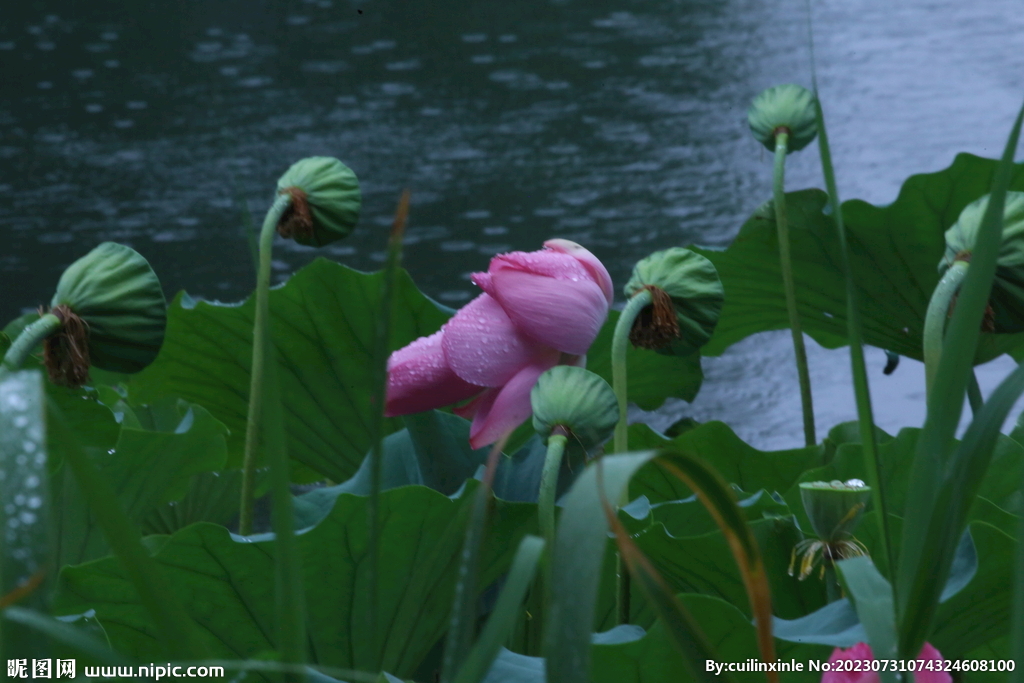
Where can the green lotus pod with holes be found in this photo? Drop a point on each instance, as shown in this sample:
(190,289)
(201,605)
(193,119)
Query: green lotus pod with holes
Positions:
(578,400)
(117,295)
(1007,297)
(681,322)
(325,201)
(834,507)
(784,106)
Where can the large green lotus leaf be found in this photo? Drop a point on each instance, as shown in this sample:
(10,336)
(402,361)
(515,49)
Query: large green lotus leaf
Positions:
(323,322)
(227,585)
(894,254)
(651,377)
(705,564)
(146,469)
(689,517)
(627,655)
(738,462)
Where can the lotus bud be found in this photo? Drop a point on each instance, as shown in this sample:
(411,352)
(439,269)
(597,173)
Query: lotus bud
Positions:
(835,507)
(789,107)
(325,201)
(577,400)
(112,314)
(1005,313)
(686,299)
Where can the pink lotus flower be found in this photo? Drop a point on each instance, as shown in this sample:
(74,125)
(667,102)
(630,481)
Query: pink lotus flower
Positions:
(862,651)
(538,310)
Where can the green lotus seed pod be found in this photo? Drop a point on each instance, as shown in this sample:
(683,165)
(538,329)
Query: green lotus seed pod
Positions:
(784,106)
(687,298)
(1007,298)
(834,507)
(325,201)
(113,314)
(578,400)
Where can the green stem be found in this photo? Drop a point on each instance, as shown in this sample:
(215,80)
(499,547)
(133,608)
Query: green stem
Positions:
(549,484)
(786,261)
(620,343)
(380,384)
(29,339)
(259,346)
(935,321)
(974,394)
(832,590)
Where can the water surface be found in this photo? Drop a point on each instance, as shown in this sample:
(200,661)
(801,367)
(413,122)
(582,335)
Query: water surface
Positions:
(620,125)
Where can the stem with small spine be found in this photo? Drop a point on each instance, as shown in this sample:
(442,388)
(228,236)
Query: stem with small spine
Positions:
(260,343)
(786,262)
(30,338)
(620,343)
(935,321)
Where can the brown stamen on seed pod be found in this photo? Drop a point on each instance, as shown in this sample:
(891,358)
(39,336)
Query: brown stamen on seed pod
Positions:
(656,326)
(66,352)
(296,221)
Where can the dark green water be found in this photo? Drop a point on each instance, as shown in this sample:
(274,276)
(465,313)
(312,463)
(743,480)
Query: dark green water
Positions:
(618,125)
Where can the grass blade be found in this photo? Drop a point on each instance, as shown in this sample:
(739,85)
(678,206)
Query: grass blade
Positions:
(716,495)
(576,564)
(65,633)
(464,607)
(861,390)
(936,504)
(177,632)
(506,611)
(289,594)
(380,375)
(686,633)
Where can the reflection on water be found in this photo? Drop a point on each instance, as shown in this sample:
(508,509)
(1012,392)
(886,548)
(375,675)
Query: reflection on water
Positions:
(616,124)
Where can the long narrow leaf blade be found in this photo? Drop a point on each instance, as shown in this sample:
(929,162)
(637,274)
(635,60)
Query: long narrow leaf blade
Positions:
(175,627)
(67,634)
(927,531)
(862,392)
(714,493)
(576,564)
(684,630)
(503,618)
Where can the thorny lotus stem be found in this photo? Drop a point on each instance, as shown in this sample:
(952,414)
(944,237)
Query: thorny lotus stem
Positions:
(786,262)
(935,321)
(30,338)
(620,342)
(260,343)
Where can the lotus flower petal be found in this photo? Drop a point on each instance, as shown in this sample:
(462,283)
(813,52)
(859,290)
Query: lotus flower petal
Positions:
(419,378)
(484,347)
(596,269)
(499,411)
(564,314)
(862,651)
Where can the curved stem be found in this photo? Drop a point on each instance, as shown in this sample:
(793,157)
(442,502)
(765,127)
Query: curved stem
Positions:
(620,343)
(786,262)
(935,321)
(30,338)
(549,484)
(833,591)
(260,342)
